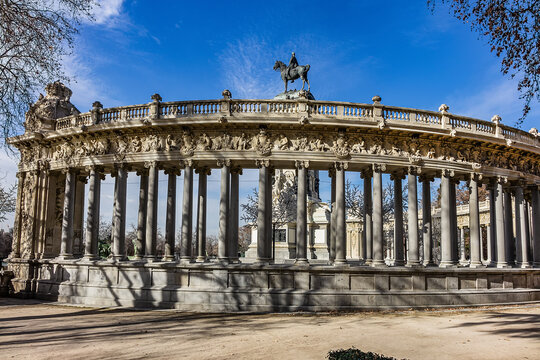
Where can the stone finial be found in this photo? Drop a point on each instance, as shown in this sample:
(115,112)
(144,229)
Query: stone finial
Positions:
(444,108)
(156,97)
(376,99)
(534,132)
(97,105)
(496,119)
(226,94)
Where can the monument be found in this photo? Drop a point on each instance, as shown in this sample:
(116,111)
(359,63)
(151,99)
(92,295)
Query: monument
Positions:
(64,153)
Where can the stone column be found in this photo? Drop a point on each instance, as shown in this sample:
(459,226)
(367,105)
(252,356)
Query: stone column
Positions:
(367,233)
(16,248)
(492,242)
(462,255)
(509,228)
(170,220)
(427,235)
(301,213)
(341,230)
(187,206)
(141,218)
(453,219)
(500,223)
(332,242)
(92,215)
(151,211)
(474,223)
(535,191)
(223,240)
(522,229)
(378,233)
(78,214)
(414,252)
(119,229)
(234,213)
(67,219)
(264,222)
(446,221)
(201,214)
(399,254)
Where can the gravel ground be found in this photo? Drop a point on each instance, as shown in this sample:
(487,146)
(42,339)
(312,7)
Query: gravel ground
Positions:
(31,329)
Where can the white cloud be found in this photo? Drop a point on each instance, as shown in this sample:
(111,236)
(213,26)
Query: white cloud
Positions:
(107,11)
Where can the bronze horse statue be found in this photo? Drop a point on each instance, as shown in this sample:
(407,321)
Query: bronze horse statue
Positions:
(294,73)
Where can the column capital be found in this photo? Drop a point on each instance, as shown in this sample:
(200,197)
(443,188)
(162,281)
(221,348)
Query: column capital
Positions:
(223,162)
(379,168)
(341,165)
(475,176)
(203,170)
(150,164)
(366,173)
(236,169)
(142,171)
(501,180)
(448,173)
(331,172)
(427,177)
(262,163)
(397,175)
(301,164)
(172,170)
(96,168)
(414,170)
(20,175)
(119,166)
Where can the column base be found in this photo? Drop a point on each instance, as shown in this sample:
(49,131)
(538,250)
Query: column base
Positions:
(301,262)
(412,264)
(524,265)
(476,265)
(399,263)
(201,259)
(368,261)
(430,264)
(65,257)
(503,265)
(149,258)
(186,260)
(340,263)
(263,261)
(447,264)
(90,258)
(138,257)
(378,263)
(169,258)
(491,264)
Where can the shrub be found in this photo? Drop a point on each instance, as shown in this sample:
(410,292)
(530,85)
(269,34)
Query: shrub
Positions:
(355,354)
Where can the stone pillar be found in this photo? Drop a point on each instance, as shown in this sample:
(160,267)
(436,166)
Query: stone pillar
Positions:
(492,236)
(341,230)
(78,214)
(201,214)
(427,234)
(462,255)
(92,215)
(187,213)
(367,233)
(500,223)
(332,242)
(140,242)
(151,211)
(522,230)
(264,222)
(67,219)
(474,223)
(413,258)
(399,254)
(223,239)
(509,228)
(234,213)
(170,220)
(378,233)
(301,213)
(446,221)
(16,248)
(453,219)
(535,190)
(119,229)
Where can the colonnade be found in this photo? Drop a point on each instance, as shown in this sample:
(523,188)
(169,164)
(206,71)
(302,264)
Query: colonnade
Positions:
(500,232)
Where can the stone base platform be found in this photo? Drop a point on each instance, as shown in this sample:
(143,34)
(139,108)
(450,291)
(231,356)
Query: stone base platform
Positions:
(251,287)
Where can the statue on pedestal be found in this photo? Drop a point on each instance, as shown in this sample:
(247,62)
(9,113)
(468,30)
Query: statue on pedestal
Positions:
(293,71)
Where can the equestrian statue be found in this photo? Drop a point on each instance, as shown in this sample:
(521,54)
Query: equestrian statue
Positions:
(293,72)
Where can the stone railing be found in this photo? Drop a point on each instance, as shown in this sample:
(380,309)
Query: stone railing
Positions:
(251,109)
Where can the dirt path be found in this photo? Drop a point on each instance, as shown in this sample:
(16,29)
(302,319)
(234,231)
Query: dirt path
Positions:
(32,330)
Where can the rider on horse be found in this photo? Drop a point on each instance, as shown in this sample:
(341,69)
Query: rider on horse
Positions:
(292,64)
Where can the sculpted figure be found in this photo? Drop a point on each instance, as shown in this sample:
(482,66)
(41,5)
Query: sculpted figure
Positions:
(262,142)
(122,146)
(243,142)
(172,143)
(292,72)
(341,146)
(205,143)
(431,153)
(320,144)
(188,143)
(136,144)
(54,105)
(283,142)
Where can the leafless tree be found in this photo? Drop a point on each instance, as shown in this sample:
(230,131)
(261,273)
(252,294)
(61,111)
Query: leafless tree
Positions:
(35,36)
(7,201)
(512,29)
(6,241)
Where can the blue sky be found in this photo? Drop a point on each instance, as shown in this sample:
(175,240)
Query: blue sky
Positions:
(184,50)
